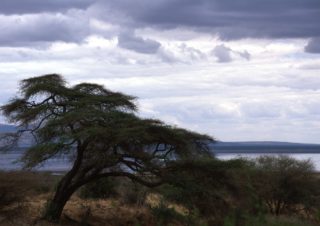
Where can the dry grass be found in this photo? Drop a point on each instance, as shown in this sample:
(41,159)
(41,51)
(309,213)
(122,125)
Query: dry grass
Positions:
(96,212)
(32,190)
(16,190)
(89,212)
(154,200)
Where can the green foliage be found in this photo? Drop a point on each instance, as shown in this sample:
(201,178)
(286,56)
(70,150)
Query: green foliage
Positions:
(15,186)
(9,195)
(285,184)
(165,215)
(241,218)
(273,184)
(279,185)
(251,220)
(205,187)
(132,193)
(100,189)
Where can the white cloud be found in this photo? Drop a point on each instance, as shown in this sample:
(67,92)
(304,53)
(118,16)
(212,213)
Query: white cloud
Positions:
(267,90)
(223,53)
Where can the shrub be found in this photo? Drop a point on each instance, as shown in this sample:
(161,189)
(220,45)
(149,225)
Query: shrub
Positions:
(100,189)
(284,184)
(14,186)
(132,193)
(268,221)
(205,187)
(9,195)
(165,215)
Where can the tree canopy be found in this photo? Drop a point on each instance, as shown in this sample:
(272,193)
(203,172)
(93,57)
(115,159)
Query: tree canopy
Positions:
(100,129)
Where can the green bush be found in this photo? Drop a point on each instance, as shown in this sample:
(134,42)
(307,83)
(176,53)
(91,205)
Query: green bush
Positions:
(132,193)
(287,221)
(285,185)
(205,187)
(15,186)
(100,189)
(8,195)
(165,215)
(267,221)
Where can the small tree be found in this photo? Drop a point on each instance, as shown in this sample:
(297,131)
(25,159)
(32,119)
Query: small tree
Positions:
(99,128)
(285,184)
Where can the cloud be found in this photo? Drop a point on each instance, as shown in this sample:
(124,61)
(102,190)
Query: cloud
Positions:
(313,46)
(236,101)
(192,53)
(40,6)
(17,30)
(181,53)
(166,53)
(310,66)
(229,19)
(252,115)
(138,44)
(224,54)
(167,56)
(245,54)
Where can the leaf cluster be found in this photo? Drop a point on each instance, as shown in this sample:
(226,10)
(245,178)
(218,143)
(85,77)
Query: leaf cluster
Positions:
(99,127)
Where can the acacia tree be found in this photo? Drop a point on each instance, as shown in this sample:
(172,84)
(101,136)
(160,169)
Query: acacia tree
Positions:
(100,129)
(285,184)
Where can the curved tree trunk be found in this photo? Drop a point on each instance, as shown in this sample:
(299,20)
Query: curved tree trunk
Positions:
(54,207)
(73,180)
(65,189)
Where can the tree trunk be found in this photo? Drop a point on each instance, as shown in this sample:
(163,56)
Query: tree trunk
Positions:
(65,189)
(54,207)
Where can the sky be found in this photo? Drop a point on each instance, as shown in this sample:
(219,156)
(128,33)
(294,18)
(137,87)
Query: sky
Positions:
(245,70)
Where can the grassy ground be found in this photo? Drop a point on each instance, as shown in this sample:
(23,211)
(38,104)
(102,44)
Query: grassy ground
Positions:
(280,221)
(110,212)
(26,193)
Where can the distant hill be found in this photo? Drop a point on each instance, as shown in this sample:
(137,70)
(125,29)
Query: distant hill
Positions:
(263,147)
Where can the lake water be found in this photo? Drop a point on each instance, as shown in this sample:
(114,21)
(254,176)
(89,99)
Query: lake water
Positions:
(8,161)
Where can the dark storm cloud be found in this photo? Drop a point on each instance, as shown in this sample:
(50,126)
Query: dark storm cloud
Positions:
(228,18)
(42,28)
(138,44)
(313,46)
(36,6)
